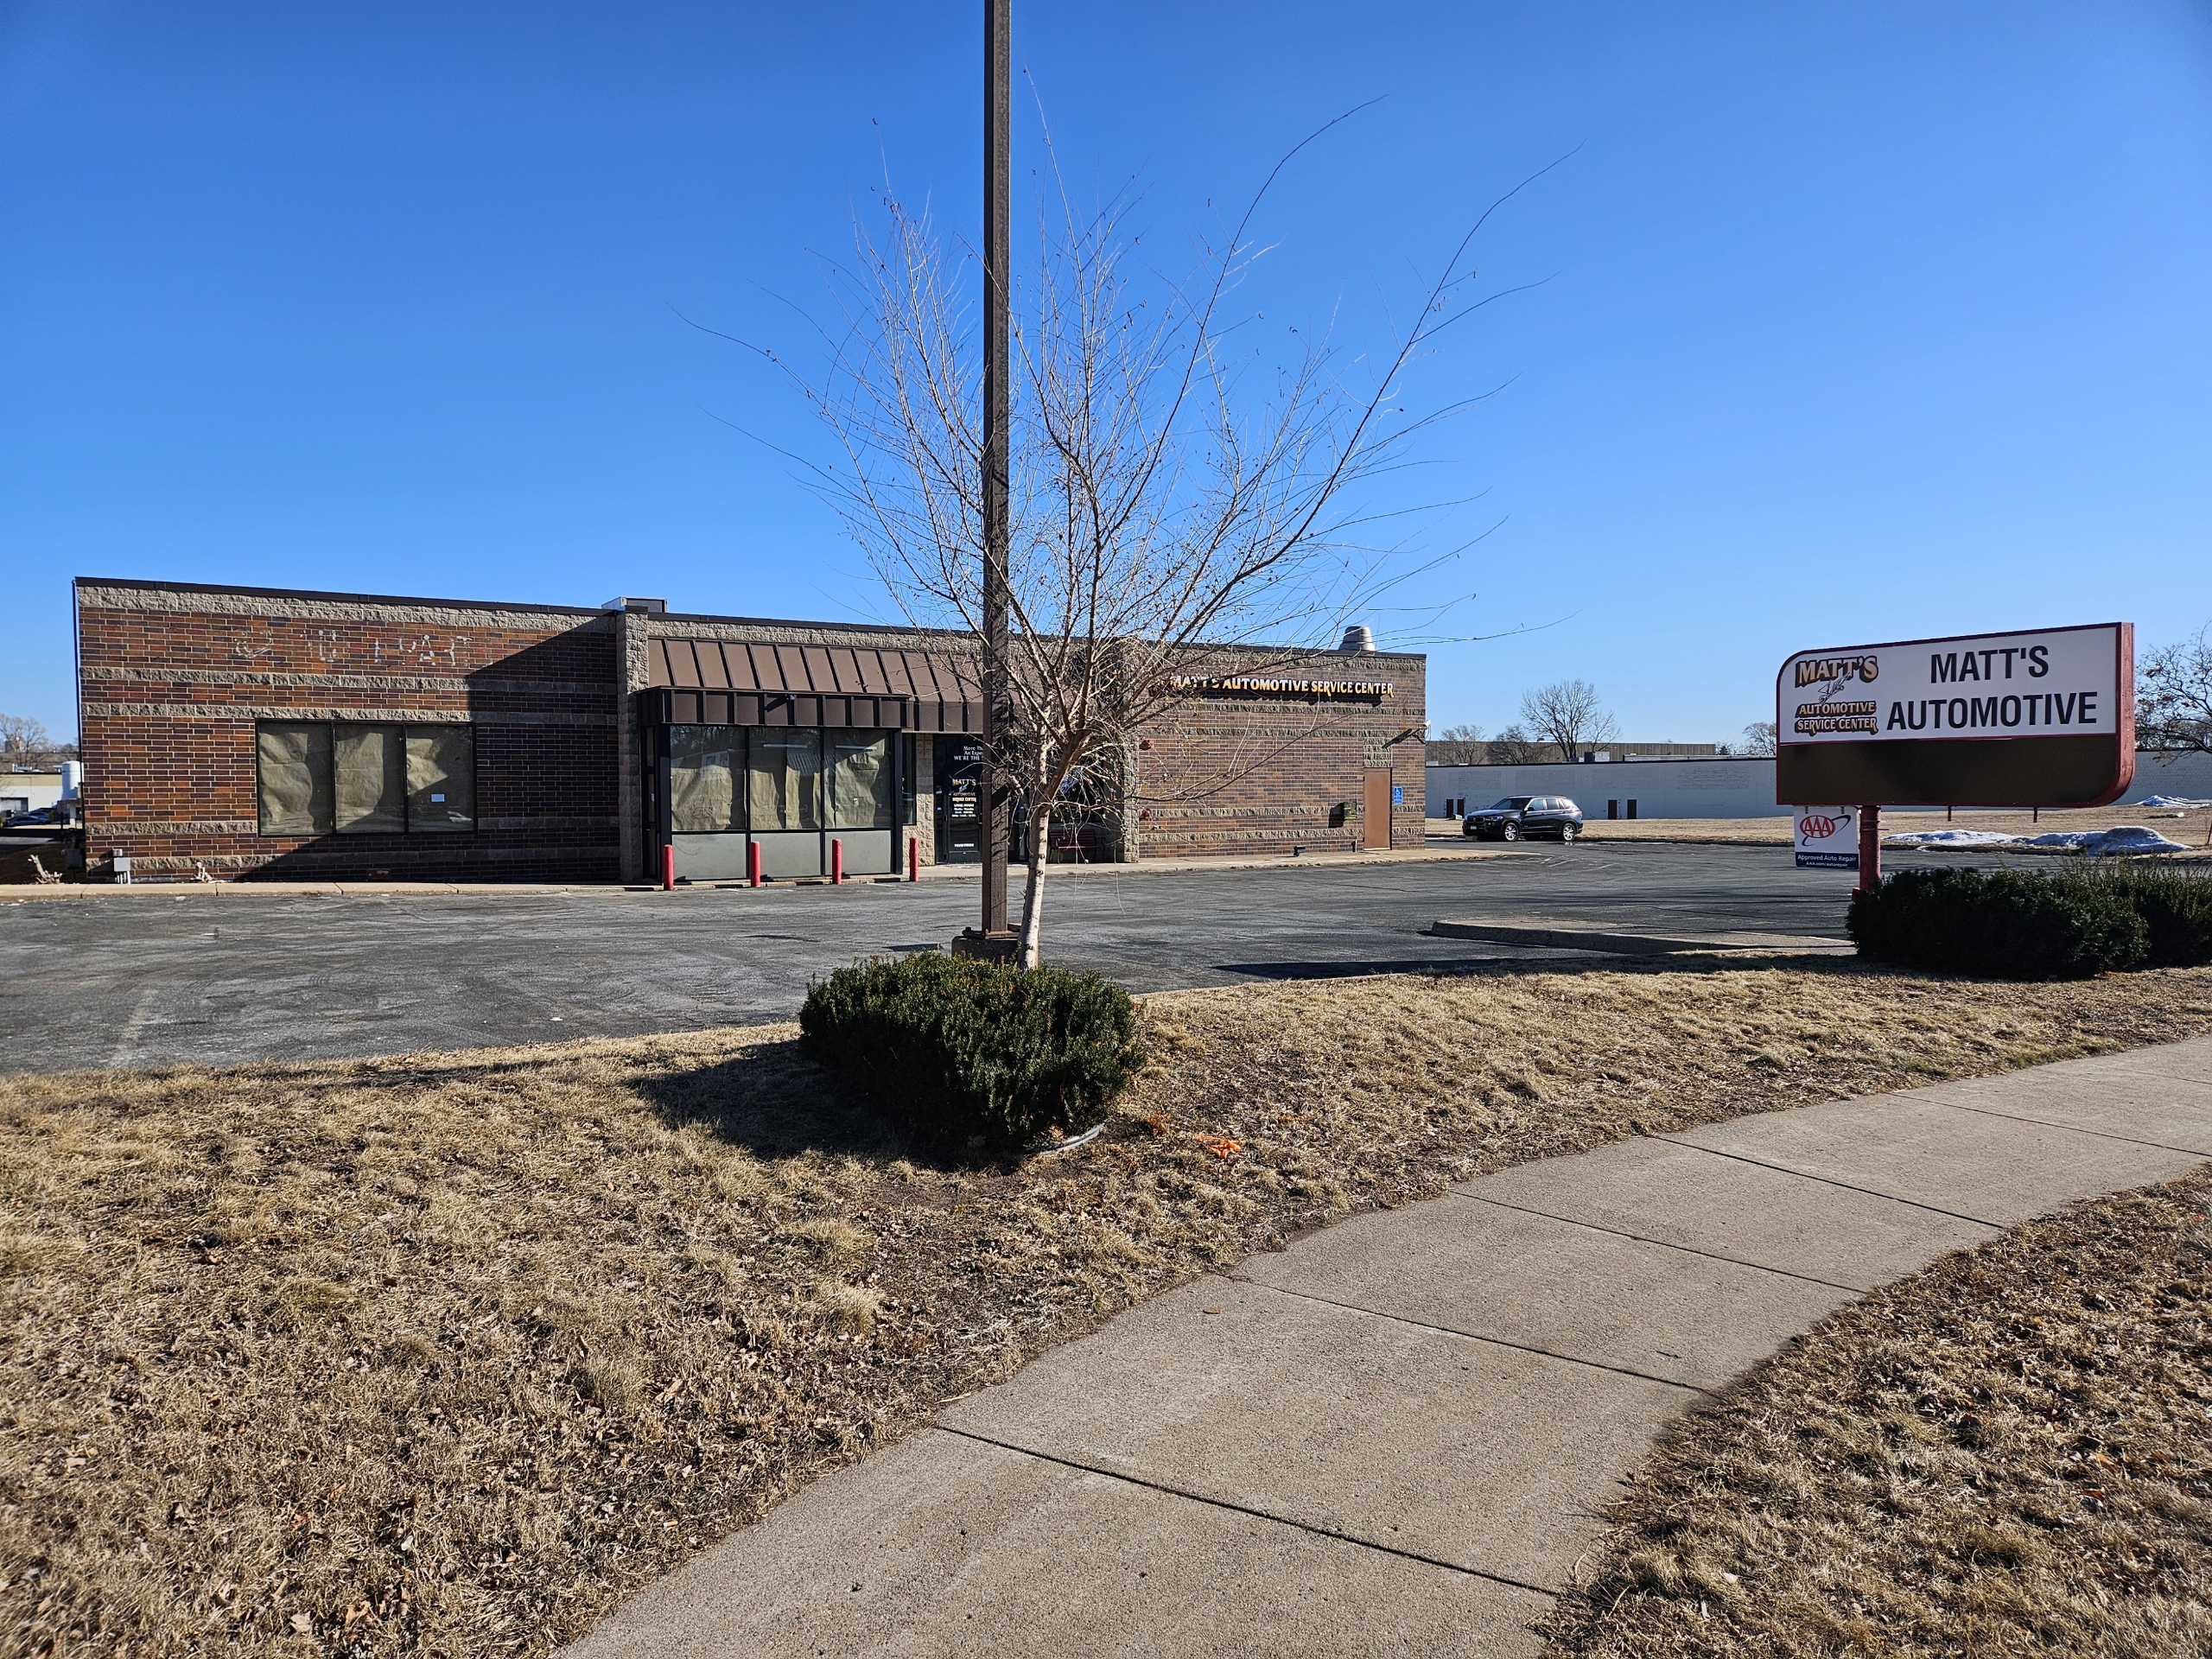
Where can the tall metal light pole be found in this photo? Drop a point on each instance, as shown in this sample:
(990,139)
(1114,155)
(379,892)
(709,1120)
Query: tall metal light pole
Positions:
(996,804)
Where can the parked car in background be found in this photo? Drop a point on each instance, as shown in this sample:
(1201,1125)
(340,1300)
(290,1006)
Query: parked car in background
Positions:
(1524,817)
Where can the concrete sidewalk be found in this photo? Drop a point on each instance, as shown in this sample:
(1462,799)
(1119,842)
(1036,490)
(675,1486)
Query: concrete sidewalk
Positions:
(1397,1436)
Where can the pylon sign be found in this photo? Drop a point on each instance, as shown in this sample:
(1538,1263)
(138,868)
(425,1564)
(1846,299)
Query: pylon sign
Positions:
(2039,718)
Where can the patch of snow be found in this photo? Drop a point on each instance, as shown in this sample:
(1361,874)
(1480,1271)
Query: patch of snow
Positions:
(2180,801)
(2118,841)
(1950,838)
(2131,838)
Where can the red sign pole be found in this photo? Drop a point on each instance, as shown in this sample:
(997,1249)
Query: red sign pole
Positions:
(1870,847)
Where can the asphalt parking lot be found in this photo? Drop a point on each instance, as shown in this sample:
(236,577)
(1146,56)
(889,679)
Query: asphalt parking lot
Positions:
(216,976)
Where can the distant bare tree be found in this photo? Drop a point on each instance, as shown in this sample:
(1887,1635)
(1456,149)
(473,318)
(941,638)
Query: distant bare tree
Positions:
(26,742)
(1458,746)
(1514,747)
(1758,738)
(1568,714)
(1179,498)
(2173,695)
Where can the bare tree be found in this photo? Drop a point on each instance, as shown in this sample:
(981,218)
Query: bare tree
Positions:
(25,741)
(1758,738)
(1458,746)
(1180,500)
(2173,695)
(1568,714)
(1514,747)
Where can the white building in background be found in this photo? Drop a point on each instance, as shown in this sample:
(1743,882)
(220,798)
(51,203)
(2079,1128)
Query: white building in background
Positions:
(27,791)
(1726,786)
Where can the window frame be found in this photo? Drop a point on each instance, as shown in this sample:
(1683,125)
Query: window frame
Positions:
(899,760)
(405,729)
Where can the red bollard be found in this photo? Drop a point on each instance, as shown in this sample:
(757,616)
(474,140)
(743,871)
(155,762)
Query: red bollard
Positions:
(914,858)
(668,868)
(752,863)
(836,863)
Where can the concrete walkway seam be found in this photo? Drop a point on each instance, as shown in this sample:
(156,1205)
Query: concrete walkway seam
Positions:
(1317,1529)
(1662,1243)
(1476,1336)
(1829,1180)
(2073,1128)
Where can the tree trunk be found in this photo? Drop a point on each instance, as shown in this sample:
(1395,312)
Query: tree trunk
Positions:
(1032,902)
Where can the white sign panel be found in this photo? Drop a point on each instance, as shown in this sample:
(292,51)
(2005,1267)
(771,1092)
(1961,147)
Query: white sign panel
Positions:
(2059,683)
(1827,838)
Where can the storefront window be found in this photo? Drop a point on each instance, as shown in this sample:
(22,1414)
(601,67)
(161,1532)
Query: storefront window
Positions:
(369,763)
(442,777)
(784,779)
(317,778)
(860,780)
(704,764)
(294,785)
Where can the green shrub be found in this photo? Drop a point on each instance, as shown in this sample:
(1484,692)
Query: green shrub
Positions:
(961,1048)
(2174,901)
(2010,925)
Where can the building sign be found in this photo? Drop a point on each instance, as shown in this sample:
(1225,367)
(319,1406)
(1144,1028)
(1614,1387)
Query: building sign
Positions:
(2042,718)
(1237,685)
(1827,838)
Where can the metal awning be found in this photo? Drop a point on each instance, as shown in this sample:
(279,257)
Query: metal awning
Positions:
(735,683)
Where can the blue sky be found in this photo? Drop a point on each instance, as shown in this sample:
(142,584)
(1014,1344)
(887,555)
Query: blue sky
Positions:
(1859,323)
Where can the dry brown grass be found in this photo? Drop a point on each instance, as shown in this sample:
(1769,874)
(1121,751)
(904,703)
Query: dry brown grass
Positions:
(2007,1454)
(455,1350)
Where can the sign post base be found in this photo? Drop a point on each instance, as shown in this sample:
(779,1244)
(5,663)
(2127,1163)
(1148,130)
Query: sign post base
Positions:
(1870,847)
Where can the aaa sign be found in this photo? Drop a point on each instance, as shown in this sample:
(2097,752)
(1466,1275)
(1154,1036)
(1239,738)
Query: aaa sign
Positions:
(1827,838)
(2034,719)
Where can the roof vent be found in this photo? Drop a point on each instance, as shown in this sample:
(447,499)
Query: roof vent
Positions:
(649,606)
(1358,636)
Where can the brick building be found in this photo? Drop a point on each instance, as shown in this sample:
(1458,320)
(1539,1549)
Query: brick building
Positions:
(286,735)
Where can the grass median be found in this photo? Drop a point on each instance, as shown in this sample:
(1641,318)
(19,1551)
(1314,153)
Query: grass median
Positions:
(2006,1454)
(457,1349)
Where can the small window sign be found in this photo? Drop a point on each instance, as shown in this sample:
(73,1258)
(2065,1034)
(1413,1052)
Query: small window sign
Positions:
(1397,794)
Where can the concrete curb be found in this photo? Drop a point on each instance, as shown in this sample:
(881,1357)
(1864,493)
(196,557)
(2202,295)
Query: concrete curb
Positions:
(1627,944)
(934,873)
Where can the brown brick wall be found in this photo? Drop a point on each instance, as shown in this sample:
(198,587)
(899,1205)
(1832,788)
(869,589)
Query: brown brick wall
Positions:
(1234,774)
(172,680)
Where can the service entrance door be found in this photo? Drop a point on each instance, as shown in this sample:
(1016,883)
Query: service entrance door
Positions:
(1374,811)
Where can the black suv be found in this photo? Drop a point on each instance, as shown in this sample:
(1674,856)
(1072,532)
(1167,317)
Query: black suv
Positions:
(1519,815)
